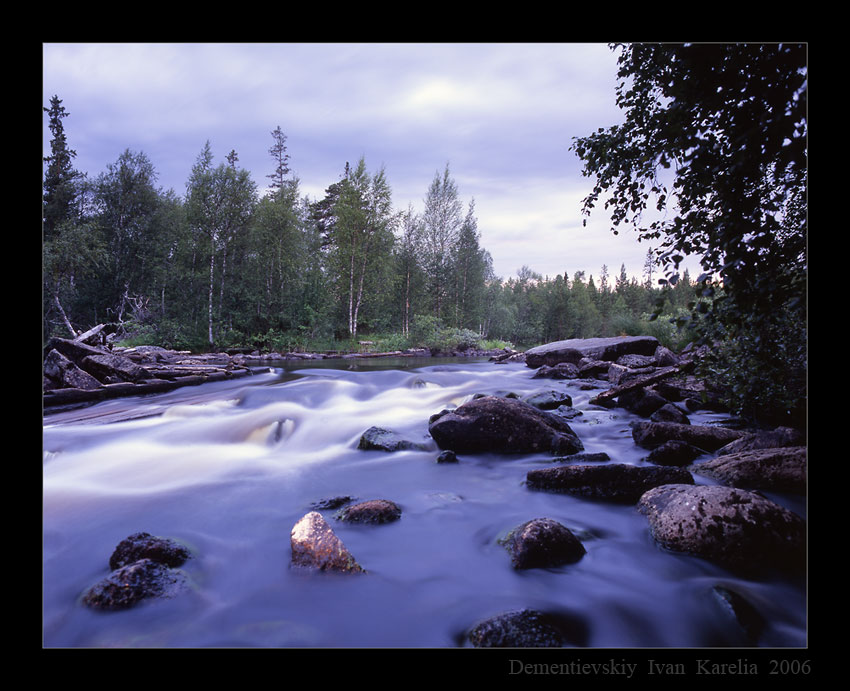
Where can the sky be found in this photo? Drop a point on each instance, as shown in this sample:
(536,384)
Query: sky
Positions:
(501,116)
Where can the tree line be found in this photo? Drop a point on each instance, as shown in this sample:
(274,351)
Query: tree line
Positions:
(226,266)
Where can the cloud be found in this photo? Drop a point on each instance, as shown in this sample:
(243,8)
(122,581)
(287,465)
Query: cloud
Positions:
(501,115)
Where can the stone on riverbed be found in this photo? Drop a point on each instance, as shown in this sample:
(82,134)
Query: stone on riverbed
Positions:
(503,425)
(778,470)
(380,439)
(146,546)
(735,528)
(130,584)
(651,434)
(542,543)
(315,546)
(528,628)
(618,482)
(371,511)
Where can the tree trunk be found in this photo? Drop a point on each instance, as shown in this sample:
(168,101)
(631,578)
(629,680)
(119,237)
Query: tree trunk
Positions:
(64,316)
(210,303)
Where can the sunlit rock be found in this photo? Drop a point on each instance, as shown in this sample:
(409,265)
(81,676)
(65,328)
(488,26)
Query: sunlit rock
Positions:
(315,546)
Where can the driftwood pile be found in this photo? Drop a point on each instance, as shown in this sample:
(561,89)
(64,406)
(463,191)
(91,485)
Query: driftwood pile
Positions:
(78,371)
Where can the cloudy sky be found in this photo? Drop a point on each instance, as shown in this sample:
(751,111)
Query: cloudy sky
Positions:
(502,117)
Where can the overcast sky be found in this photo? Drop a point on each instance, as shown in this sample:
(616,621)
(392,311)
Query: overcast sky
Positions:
(501,115)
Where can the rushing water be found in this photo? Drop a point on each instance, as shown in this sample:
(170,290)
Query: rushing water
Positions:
(229,468)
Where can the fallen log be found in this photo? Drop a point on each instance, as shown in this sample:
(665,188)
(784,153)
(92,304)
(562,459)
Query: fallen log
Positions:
(606,398)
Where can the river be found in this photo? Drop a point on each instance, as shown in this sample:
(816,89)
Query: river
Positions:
(228,468)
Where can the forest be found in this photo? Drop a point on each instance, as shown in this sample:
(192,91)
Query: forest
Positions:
(225,265)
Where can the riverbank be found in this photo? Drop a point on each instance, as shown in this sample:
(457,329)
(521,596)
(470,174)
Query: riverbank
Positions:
(79,373)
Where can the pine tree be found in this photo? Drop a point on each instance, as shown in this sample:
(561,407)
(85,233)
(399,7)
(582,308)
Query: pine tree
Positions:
(60,179)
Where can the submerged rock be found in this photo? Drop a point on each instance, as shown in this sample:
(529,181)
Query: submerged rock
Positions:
(616,482)
(146,546)
(528,628)
(503,425)
(732,527)
(380,439)
(542,543)
(447,456)
(372,511)
(315,546)
(130,584)
(741,611)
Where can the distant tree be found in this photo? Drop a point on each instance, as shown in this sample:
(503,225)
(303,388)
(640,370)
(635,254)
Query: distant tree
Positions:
(361,239)
(219,202)
(442,222)
(281,158)
(60,179)
(127,204)
(470,272)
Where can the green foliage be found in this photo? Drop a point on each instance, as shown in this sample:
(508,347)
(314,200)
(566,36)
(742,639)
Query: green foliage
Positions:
(711,161)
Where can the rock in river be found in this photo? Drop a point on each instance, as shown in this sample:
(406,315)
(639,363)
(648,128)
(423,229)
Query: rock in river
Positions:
(146,546)
(616,482)
(573,350)
(652,434)
(315,546)
(778,470)
(503,425)
(542,543)
(732,527)
(380,439)
(129,585)
(528,628)
(372,511)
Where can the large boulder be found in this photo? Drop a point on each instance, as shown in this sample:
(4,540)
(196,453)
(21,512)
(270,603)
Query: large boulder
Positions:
(619,482)
(573,350)
(503,425)
(735,528)
(709,437)
(542,543)
(315,546)
(778,470)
